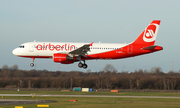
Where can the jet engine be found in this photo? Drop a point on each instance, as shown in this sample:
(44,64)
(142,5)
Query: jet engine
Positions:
(62,58)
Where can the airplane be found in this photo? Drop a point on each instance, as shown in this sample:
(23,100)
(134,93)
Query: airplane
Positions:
(70,52)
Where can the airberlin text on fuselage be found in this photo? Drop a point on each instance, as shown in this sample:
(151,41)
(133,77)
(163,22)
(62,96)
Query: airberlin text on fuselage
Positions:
(51,47)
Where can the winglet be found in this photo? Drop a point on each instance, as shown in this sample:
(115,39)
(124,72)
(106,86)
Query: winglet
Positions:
(91,43)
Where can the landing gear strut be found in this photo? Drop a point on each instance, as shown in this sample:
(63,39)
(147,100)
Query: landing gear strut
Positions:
(81,65)
(32,64)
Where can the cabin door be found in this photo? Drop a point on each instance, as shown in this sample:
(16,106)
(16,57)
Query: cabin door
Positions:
(31,48)
(130,49)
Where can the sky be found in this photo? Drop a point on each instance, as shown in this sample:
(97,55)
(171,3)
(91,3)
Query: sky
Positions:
(107,21)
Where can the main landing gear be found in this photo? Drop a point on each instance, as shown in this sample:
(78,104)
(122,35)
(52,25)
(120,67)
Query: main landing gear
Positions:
(81,65)
(32,64)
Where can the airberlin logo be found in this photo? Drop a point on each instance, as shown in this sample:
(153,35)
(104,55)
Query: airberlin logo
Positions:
(150,33)
(51,47)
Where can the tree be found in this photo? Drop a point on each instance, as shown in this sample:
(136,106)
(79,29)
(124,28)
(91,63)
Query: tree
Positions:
(5,67)
(14,67)
(157,71)
(108,82)
(21,83)
(109,68)
(30,83)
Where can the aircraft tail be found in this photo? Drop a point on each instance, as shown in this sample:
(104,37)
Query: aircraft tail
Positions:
(148,36)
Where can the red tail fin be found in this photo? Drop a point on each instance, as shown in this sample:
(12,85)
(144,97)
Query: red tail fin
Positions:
(148,36)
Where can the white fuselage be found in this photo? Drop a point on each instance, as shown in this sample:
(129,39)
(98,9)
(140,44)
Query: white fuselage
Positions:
(47,49)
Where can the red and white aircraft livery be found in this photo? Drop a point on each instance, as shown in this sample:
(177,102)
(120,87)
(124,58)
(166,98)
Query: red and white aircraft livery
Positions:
(67,52)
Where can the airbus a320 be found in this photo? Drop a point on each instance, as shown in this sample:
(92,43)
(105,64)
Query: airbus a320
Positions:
(70,52)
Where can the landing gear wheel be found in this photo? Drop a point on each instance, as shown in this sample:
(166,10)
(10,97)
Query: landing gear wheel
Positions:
(80,65)
(84,66)
(32,64)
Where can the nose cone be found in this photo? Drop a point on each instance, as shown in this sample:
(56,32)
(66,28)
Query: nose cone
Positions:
(15,51)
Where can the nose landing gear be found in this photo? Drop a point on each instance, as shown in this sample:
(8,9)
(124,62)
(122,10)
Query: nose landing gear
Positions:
(32,64)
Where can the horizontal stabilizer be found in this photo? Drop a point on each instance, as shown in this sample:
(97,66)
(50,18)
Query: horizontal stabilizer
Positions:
(154,47)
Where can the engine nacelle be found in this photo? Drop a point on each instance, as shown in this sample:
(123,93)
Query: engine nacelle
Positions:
(60,57)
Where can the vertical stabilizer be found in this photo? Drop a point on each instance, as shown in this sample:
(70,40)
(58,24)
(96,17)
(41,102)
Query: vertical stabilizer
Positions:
(148,36)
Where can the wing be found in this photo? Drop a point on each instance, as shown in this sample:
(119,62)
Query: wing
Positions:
(82,51)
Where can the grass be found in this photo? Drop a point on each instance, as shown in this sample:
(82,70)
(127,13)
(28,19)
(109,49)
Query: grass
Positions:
(64,102)
(98,102)
(92,93)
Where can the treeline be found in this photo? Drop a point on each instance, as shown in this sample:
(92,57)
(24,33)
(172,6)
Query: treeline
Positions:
(108,78)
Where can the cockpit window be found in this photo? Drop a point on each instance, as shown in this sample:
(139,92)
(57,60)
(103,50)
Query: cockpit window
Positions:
(21,46)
